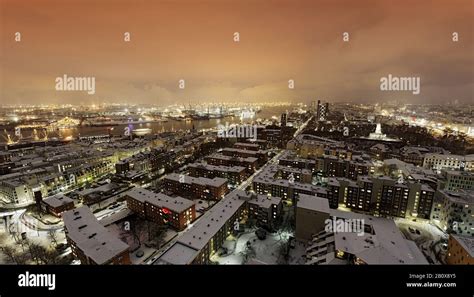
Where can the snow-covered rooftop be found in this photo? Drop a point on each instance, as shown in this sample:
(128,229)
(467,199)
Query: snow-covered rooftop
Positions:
(385,245)
(240,159)
(216,181)
(178,254)
(57,200)
(219,168)
(175,204)
(313,203)
(94,240)
(467,243)
(201,232)
(265,201)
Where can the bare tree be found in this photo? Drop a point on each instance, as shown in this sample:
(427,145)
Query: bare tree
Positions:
(3,237)
(22,258)
(157,234)
(248,253)
(384,170)
(138,228)
(14,256)
(283,255)
(43,255)
(10,253)
(53,237)
(36,251)
(51,256)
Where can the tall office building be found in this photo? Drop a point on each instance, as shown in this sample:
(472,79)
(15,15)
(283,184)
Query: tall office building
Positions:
(283,120)
(322,111)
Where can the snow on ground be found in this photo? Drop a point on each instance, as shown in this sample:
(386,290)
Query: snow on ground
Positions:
(265,251)
(298,254)
(428,241)
(202,205)
(170,234)
(46,220)
(127,237)
(427,230)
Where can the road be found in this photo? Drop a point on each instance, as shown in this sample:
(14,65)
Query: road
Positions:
(273,160)
(248,181)
(302,127)
(242,186)
(107,212)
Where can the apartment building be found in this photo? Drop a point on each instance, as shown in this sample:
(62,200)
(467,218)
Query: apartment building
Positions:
(57,204)
(196,187)
(460,250)
(177,212)
(234,174)
(378,242)
(280,181)
(459,180)
(261,156)
(92,243)
(448,161)
(454,211)
(265,211)
(206,236)
(250,163)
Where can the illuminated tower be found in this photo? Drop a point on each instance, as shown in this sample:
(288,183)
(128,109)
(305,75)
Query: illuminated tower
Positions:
(322,111)
(283,120)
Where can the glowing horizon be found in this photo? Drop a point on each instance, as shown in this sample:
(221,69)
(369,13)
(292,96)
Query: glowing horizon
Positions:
(279,41)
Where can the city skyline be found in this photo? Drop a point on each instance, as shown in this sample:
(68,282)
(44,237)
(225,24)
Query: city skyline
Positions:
(279,41)
(334,137)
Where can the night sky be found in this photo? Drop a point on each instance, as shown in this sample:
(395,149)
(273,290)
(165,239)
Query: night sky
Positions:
(193,40)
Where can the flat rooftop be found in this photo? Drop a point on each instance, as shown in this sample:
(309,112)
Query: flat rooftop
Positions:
(176,204)
(246,144)
(94,240)
(228,158)
(313,203)
(178,254)
(241,151)
(102,188)
(220,168)
(216,181)
(57,200)
(267,176)
(206,227)
(461,196)
(467,242)
(385,245)
(265,201)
